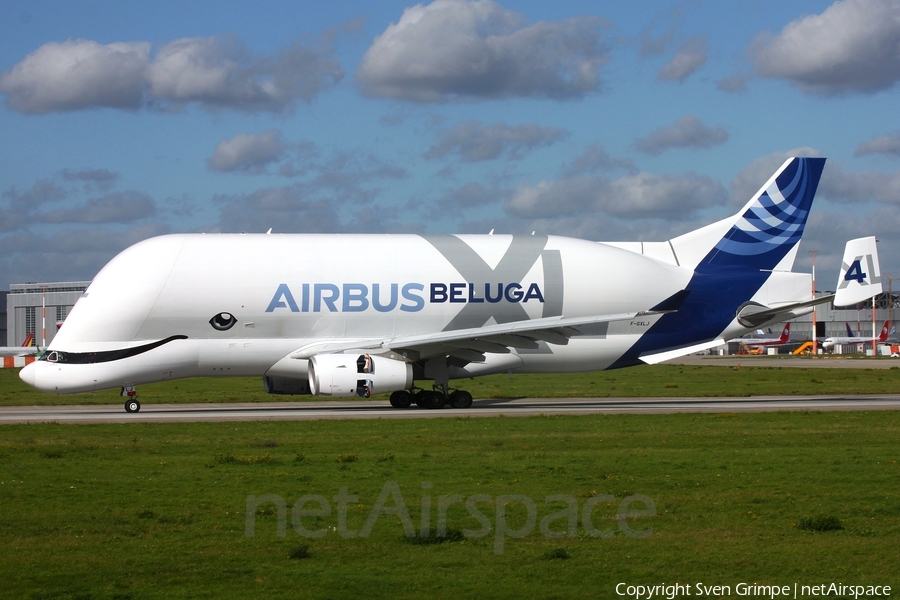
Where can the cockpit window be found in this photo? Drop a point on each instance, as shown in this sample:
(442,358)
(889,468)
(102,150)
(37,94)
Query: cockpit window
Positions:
(54,356)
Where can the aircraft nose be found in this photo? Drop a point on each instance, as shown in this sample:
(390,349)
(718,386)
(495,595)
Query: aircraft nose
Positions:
(28,374)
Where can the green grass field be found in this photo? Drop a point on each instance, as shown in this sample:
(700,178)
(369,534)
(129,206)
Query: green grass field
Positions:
(160,510)
(657,380)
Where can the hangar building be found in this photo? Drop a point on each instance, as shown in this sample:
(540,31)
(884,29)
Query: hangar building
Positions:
(33,308)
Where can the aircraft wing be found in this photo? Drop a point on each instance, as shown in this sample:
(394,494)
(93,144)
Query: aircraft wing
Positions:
(18,350)
(470,345)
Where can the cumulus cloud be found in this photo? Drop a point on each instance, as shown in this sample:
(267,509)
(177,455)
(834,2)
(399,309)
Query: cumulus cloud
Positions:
(93,180)
(333,196)
(733,84)
(686,132)
(69,254)
(595,158)
(35,207)
(296,209)
(117,207)
(41,192)
(858,187)
(78,74)
(641,195)
(220,72)
(461,49)
(475,142)
(57,231)
(286,208)
(884,144)
(828,229)
(248,153)
(689,58)
(213,73)
(346,171)
(472,195)
(854,46)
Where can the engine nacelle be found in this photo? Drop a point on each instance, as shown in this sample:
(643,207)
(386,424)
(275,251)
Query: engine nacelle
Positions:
(343,375)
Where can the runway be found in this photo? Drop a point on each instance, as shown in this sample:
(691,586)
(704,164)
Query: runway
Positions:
(824,361)
(307,411)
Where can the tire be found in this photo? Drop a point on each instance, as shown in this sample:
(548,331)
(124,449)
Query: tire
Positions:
(435,400)
(132,405)
(420,398)
(401,399)
(461,399)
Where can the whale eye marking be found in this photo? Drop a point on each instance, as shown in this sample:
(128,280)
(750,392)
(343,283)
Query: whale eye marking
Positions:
(223,321)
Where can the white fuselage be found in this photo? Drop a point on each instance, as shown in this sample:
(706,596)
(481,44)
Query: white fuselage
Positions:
(285,292)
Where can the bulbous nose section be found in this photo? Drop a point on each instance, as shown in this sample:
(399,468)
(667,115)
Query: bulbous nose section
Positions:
(28,374)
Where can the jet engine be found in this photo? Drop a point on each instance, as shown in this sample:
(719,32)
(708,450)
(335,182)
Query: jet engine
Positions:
(343,375)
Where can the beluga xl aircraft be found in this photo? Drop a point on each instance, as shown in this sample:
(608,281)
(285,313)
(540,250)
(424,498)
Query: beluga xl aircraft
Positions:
(354,315)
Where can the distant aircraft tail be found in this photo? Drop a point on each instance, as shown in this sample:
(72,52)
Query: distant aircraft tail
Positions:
(885,331)
(766,232)
(785,334)
(850,331)
(860,276)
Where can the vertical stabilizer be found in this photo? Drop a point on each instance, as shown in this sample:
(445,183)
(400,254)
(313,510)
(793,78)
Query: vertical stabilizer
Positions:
(860,277)
(765,233)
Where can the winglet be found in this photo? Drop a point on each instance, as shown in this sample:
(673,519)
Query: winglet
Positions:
(860,277)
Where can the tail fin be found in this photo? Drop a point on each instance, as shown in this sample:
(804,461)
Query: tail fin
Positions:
(850,331)
(860,277)
(884,332)
(765,231)
(785,333)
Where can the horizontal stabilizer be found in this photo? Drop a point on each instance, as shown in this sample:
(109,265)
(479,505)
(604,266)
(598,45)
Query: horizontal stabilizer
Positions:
(755,315)
(658,357)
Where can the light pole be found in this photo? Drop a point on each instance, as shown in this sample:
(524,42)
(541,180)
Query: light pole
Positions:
(891,281)
(815,347)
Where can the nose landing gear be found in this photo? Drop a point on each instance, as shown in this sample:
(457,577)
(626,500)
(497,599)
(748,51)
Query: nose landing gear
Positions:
(131,404)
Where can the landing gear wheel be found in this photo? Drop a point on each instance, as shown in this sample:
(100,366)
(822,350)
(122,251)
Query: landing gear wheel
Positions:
(401,399)
(420,398)
(132,405)
(435,400)
(461,399)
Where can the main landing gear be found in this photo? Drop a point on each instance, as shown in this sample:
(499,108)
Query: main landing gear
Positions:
(431,399)
(131,404)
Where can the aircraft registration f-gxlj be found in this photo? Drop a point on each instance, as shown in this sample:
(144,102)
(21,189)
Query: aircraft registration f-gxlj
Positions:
(354,315)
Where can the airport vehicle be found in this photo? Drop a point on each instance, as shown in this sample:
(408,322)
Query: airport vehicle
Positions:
(831,342)
(355,315)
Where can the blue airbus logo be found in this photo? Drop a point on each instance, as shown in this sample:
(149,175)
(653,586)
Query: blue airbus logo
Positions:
(410,297)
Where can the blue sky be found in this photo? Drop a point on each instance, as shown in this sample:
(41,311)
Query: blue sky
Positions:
(602,120)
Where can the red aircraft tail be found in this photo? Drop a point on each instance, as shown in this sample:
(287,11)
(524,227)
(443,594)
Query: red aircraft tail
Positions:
(785,334)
